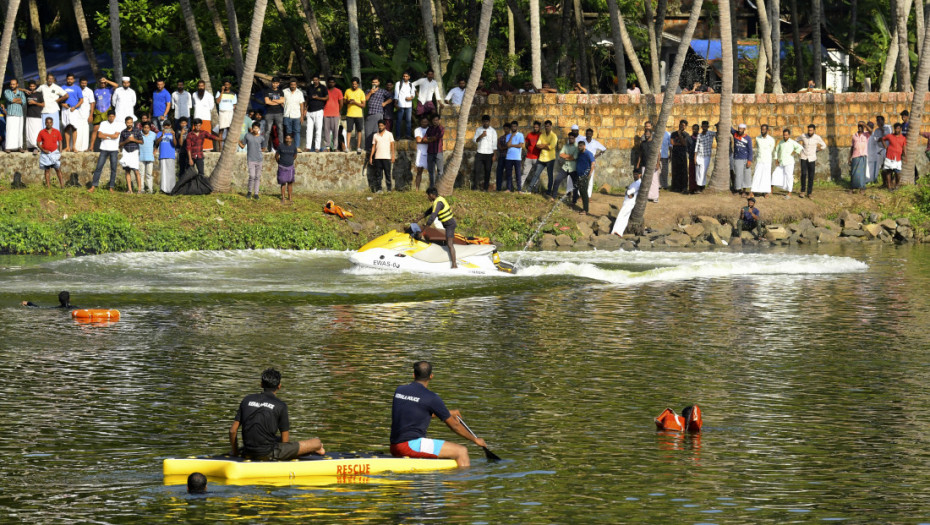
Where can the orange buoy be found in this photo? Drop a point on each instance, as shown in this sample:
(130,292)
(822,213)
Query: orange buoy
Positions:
(690,419)
(95,315)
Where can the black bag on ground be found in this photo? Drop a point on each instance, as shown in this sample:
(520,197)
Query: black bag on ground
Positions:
(192,183)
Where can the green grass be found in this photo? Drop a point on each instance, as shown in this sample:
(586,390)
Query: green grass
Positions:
(74,222)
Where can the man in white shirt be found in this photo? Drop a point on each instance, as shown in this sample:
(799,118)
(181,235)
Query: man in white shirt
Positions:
(84,118)
(181,103)
(427,89)
(108,132)
(486,139)
(124,101)
(596,148)
(762,177)
(203,104)
(456,94)
(52,95)
(295,108)
(226,100)
(404,95)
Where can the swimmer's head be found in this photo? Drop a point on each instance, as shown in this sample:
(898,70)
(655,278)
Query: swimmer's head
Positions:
(196,483)
(64,298)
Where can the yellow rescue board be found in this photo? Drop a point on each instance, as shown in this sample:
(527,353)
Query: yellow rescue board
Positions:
(231,468)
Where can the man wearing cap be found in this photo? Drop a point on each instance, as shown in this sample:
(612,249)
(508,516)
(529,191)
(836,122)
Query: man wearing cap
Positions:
(124,100)
(741,161)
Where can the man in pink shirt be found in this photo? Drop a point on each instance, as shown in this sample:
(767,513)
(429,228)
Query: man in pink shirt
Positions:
(331,116)
(859,158)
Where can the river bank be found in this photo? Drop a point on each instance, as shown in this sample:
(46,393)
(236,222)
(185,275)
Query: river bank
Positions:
(73,222)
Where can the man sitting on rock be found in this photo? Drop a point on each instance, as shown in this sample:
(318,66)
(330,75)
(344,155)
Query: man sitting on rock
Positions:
(749,219)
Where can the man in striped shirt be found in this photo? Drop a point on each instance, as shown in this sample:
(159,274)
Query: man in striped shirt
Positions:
(703,151)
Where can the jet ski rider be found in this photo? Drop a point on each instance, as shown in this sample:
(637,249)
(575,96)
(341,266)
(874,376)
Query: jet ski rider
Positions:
(441,209)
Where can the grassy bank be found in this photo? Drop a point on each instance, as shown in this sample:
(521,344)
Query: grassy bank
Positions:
(74,222)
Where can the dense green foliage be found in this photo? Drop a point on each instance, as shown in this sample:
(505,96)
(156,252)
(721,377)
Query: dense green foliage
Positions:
(73,222)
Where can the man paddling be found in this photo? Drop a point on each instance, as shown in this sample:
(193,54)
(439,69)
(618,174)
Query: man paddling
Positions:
(261,417)
(414,406)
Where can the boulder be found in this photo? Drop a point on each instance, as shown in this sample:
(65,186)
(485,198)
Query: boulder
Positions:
(693,230)
(886,237)
(926,239)
(628,246)
(820,222)
(903,221)
(804,225)
(850,220)
(564,240)
(794,238)
(547,244)
(850,232)
(604,189)
(608,242)
(736,241)
(889,224)
(686,220)
(827,237)
(613,212)
(677,240)
(746,236)
(775,233)
(602,226)
(872,230)
(705,220)
(875,217)
(585,230)
(905,232)
(643,241)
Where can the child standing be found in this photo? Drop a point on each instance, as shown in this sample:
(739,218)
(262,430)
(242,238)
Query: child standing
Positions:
(252,143)
(147,157)
(129,140)
(285,159)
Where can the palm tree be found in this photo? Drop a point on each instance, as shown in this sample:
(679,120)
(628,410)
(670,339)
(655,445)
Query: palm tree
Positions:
(315,36)
(352,10)
(218,27)
(16,59)
(904,59)
(767,46)
(619,45)
(616,19)
(37,37)
(761,65)
(85,37)
(775,26)
(535,43)
(917,108)
(234,40)
(720,180)
(796,37)
(668,100)
(440,24)
(816,47)
(295,45)
(222,172)
(653,49)
(426,13)
(188,14)
(447,182)
(114,38)
(8,27)
(891,57)
(582,60)
(519,19)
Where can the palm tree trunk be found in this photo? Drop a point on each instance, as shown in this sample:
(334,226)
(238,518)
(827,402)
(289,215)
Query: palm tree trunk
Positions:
(799,80)
(511,41)
(564,57)
(523,27)
(535,44)
(17,60)
(761,65)
(390,32)
(636,224)
(891,58)
(9,23)
(316,36)
(720,180)
(114,38)
(767,45)
(221,176)
(653,50)
(619,45)
(36,27)
(629,48)
(734,27)
(919,21)
(85,37)
(356,65)
(295,45)
(234,40)
(816,46)
(914,143)
(447,182)
(439,21)
(582,58)
(775,24)
(904,56)
(189,22)
(218,27)
(426,13)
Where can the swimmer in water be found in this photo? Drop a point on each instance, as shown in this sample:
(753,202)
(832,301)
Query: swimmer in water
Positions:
(64,299)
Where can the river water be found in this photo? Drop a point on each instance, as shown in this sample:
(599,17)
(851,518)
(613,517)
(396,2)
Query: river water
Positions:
(811,371)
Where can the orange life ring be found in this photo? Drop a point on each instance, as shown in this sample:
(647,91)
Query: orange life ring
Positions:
(95,314)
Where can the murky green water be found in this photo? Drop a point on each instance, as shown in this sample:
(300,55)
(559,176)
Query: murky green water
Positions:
(812,373)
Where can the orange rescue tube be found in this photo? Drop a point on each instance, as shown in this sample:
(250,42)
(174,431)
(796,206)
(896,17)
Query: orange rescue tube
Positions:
(690,419)
(668,420)
(95,315)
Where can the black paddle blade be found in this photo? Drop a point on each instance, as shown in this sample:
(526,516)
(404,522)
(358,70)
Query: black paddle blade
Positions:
(492,457)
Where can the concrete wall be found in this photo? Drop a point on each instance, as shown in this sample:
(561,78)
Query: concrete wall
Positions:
(616,119)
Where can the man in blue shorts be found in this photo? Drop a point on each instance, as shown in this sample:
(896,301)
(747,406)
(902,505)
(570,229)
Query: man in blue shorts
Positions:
(413,408)
(261,417)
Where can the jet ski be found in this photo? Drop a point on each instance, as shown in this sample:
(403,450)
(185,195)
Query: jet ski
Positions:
(402,252)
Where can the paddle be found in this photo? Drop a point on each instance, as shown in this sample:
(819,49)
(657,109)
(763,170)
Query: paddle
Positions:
(487,453)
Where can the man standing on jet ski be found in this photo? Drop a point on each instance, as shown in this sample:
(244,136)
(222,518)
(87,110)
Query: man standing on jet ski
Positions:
(440,209)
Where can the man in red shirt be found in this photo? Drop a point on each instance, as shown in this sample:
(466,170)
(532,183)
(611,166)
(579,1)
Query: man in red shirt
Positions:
(195,140)
(895,145)
(49,142)
(331,116)
(532,152)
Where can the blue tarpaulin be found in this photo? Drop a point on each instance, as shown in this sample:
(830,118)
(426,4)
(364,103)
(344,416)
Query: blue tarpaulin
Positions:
(60,63)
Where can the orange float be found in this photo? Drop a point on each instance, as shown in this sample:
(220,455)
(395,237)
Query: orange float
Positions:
(95,315)
(690,419)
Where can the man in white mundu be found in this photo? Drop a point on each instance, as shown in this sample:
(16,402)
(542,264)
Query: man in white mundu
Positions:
(785,151)
(765,148)
(15,101)
(83,118)
(623,218)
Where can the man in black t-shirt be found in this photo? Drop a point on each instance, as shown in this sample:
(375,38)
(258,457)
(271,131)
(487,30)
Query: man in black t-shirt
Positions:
(274,111)
(413,408)
(261,417)
(317,95)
